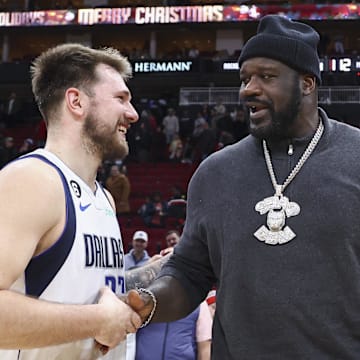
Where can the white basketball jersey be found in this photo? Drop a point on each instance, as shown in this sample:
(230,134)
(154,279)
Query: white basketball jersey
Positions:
(87,256)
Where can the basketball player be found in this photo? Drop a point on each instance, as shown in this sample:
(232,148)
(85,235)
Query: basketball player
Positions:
(60,241)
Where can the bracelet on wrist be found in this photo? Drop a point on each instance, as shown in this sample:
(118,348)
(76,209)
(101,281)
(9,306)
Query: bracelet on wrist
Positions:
(153,298)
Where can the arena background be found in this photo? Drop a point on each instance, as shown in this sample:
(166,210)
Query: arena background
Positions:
(158,38)
(184,56)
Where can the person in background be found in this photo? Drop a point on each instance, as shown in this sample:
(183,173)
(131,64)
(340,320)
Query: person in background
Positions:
(170,125)
(60,241)
(27,146)
(8,151)
(176,193)
(154,210)
(211,301)
(271,220)
(142,141)
(198,125)
(13,110)
(172,237)
(176,149)
(185,339)
(137,256)
(119,186)
(240,124)
(158,147)
(205,144)
(186,123)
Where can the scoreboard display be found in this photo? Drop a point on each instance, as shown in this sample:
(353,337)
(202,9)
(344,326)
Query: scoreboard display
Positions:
(340,64)
(327,64)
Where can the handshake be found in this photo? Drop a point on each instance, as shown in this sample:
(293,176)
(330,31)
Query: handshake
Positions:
(122,315)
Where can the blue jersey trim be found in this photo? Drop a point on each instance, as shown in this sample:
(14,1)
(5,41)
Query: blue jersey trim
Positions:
(43,268)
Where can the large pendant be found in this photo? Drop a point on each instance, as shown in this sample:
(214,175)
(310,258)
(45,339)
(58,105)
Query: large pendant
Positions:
(278,208)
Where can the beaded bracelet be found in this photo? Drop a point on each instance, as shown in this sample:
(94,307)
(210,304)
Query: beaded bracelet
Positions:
(151,294)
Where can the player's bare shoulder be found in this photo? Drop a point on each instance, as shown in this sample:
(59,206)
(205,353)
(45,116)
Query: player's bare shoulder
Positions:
(33,193)
(30,173)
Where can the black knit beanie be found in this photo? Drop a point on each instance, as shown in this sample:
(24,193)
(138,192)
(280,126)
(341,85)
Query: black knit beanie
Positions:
(291,42)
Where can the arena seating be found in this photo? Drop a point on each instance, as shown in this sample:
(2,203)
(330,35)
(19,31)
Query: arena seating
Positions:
(21,132)
(146,178)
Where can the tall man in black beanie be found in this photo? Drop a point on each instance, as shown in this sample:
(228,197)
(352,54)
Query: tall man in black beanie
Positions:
(270,219)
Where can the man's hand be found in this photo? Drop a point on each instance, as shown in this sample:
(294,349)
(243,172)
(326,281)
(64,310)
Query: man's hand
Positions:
(119,320)
(155,257)
(167,251)
(141,303)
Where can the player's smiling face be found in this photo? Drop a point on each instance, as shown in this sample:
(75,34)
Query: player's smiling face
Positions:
(109,115)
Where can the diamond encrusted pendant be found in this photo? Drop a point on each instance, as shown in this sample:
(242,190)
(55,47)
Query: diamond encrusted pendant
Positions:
(278,208)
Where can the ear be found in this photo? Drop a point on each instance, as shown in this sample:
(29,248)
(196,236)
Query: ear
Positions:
(308,84)
(75,101)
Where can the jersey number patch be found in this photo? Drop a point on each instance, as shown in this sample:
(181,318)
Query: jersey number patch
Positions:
(116,284)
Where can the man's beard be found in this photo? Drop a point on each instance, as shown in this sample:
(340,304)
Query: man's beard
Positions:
(102,140)
(281,121)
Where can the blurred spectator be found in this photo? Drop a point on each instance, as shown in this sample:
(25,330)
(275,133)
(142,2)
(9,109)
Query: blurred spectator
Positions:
(199,124)
(211,301)
(177,193)
(224,124)
(225,139)
(142,141)
(12,110)
(193,52)
(177,207)
(137,256)
(185,339)
(8,151)
(339,44)
(171,125)
(148,119)
(27,146)
(216,113)
(188,150)
(221,55)
(186,124)
(103,173)
(204,145)
(220,108)
(151,120)
(176,149)
(240,123)
(206,112)
(172,237)
(154,211)
(119,186)
(158,146)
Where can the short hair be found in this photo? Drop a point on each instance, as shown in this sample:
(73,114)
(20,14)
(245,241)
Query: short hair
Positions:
(70,65)
(172,232)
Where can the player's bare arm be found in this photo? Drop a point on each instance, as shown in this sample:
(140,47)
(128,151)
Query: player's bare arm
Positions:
(32,217)
(143,276)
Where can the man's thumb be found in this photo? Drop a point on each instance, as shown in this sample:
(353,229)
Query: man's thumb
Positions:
(135,301)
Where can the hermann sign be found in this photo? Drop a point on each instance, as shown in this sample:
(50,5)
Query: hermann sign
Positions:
(162,66)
